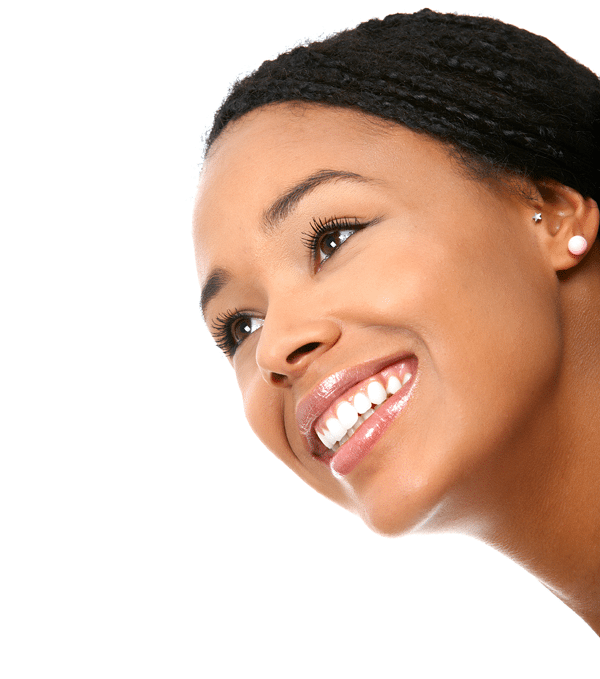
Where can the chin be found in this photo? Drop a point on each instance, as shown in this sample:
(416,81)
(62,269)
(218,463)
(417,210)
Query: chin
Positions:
(388,520)
(437,494)
(392,507)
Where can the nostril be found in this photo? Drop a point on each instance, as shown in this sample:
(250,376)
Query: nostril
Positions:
(276,378)
(305,349)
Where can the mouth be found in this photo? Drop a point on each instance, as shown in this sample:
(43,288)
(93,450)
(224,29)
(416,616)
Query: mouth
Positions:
(349,411)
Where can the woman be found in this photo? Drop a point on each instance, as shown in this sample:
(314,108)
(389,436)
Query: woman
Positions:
(396,236)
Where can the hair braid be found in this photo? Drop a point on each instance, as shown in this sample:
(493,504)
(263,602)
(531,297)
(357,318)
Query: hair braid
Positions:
(506,99)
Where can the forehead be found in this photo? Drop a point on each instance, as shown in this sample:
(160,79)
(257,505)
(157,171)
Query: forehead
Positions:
(288,133)
(269,150)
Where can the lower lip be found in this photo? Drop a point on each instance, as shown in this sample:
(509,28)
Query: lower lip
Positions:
(360,444)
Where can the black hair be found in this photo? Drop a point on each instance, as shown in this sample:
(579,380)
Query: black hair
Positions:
(506,100)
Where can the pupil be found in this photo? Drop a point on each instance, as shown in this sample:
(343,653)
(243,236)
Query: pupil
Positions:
(330,244)
(242,330)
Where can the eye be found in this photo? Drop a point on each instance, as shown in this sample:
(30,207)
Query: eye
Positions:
(244,327)
(327,237)
(232,328)
(328,243)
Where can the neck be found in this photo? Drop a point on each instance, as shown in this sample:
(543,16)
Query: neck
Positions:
(564,517)
(539,502)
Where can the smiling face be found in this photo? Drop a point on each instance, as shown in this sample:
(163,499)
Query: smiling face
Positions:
(347,264)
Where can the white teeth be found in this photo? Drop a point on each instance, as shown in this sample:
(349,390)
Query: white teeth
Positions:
(326,438)
(376,392)
(347,414)
(361,403)
(350,416)
(393,385)
(336,429)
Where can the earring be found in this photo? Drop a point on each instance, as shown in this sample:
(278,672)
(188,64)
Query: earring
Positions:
(537,217)
(577,245)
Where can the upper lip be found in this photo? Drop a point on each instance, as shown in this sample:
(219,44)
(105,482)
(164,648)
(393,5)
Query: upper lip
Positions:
(316,402)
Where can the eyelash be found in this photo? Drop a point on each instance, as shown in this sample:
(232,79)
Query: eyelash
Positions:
(223,331)
(224,323)
(320,228)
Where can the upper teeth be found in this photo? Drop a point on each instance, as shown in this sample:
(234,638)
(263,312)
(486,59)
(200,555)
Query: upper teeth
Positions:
(351,413)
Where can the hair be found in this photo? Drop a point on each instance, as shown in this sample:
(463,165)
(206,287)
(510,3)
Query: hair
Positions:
(508,102)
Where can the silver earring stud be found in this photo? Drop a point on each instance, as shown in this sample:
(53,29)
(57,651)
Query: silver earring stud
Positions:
(577,245)
(537,217)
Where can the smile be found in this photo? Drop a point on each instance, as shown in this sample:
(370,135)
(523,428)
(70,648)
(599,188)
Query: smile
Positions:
(347,413)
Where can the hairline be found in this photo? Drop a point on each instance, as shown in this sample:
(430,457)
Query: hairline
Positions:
(473,166)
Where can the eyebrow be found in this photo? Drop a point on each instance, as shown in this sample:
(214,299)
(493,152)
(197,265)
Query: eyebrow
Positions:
(215,283)
(279,209)
(285,204)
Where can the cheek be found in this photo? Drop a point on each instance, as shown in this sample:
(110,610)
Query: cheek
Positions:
(487,334)
(263,408)
(472,301)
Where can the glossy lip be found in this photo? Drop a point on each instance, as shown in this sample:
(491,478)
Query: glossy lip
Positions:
(359,445)
(316,402)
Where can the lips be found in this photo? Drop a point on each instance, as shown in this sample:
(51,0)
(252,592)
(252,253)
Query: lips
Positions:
(335,420)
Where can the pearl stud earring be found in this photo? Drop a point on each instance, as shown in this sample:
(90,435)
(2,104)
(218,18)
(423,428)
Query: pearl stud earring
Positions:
(577,245)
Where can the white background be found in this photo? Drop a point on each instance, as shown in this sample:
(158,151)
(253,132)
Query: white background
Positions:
(143,531)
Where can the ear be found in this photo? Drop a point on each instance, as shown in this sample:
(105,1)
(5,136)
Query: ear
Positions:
(565,213)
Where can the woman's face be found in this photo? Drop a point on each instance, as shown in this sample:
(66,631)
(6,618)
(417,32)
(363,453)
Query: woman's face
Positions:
(347,261)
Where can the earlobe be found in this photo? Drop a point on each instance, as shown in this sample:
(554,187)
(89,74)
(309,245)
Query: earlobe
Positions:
(569,223)
(577,245)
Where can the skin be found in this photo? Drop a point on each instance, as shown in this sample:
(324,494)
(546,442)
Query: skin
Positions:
(500,437)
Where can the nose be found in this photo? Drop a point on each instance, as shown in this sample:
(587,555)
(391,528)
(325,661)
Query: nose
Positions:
(287,347)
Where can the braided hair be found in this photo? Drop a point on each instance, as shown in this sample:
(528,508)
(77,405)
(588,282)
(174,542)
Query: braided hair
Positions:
(507,101)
